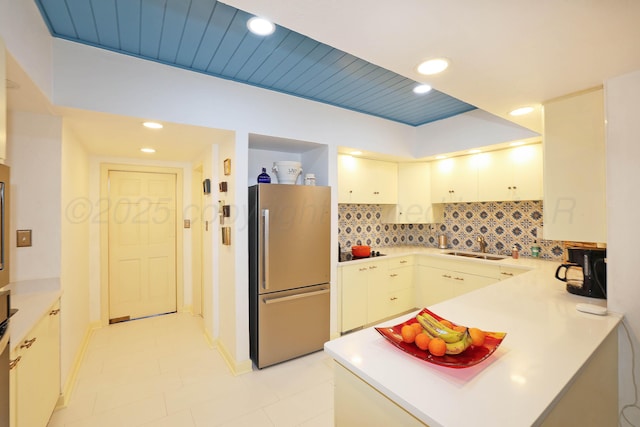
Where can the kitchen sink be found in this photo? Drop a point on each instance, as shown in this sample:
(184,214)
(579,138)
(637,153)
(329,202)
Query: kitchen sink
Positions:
(477,255)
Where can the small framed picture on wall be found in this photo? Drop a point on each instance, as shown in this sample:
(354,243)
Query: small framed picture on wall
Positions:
(227,166)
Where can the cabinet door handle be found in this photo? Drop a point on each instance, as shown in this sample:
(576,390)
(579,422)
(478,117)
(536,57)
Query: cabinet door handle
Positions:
(446,276)
(54,312)
(362,269)
(13,363)
(506,274)
(403,261)
(393,275)
(28,343)
(459,278)
(373,267)
(393,298)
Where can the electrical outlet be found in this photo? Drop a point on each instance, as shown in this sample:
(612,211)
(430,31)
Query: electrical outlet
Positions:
(23,238)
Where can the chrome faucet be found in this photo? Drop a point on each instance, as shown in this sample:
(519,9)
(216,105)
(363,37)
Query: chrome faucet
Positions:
(483,244)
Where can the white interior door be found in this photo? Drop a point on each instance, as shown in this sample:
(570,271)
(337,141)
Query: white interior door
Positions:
(142,244)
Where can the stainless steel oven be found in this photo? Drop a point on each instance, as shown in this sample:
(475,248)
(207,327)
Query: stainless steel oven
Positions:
(4,358)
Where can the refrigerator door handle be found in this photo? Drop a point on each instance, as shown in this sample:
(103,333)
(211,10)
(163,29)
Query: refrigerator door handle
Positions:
(265,249)
(293,297)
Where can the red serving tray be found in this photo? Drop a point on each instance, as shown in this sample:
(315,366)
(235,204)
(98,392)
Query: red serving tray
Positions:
(471,356)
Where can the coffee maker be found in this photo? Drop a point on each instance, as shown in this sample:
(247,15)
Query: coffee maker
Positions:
(585,272)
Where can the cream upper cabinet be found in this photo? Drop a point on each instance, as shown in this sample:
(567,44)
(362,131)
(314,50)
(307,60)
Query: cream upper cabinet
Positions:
(415,205)
(454,180)
(3,102)
(367,181)
(510,174)
(574,168)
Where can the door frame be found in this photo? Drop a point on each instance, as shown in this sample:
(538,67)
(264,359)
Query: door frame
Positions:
(105,168)
(197,241)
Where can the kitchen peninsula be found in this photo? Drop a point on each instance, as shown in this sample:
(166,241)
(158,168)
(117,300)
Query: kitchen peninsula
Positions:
(546,371)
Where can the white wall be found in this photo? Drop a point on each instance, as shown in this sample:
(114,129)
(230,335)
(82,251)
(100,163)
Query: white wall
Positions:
(99,80)
(3,102)
(623,204)
(28,39)
(474,129)
(74,253)
(210,261)
(232,277)
(34,154)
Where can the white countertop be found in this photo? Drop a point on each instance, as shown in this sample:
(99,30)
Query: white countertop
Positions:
(547,343)
(32,298)
(396,251)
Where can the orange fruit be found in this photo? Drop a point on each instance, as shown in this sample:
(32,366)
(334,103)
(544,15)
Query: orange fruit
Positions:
(447,323)
(459,328)
(477,336)
(408,334)
(422,341)
(437,347)
(417,326)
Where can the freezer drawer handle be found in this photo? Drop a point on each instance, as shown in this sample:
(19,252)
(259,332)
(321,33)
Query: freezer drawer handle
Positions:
(265,249)
(296,296)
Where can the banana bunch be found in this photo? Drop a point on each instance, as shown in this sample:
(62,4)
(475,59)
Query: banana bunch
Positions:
(456,341)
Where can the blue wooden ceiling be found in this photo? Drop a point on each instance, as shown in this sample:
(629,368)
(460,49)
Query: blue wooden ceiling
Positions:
(212,38)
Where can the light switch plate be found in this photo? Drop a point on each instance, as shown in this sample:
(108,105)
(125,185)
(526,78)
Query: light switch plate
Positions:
(23,238)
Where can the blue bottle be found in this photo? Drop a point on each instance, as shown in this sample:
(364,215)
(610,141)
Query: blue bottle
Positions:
(264,177)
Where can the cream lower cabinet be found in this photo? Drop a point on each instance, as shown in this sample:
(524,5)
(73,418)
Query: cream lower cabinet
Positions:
(354,282)
(432,286)
(35,373)
(442,279)
(374,290)
(392,293)
(437,285)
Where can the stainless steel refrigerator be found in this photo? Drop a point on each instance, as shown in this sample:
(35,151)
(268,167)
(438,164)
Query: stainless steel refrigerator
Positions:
(289,271)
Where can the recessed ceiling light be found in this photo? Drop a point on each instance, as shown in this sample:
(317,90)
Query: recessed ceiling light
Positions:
(474,151)
(420,89)
(153,125)
(148,150)
(521,111)
(433,66)
(356,153)
(260,26)
(441,157)
(517,143)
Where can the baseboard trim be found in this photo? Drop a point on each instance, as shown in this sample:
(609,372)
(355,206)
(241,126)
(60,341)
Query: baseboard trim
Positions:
(237,368)
(69,385)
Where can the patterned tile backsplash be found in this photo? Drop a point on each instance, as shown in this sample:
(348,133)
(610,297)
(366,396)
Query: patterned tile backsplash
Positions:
(503,225)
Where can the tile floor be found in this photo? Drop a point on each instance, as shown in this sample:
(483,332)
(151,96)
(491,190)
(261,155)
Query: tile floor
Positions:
(161,372)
